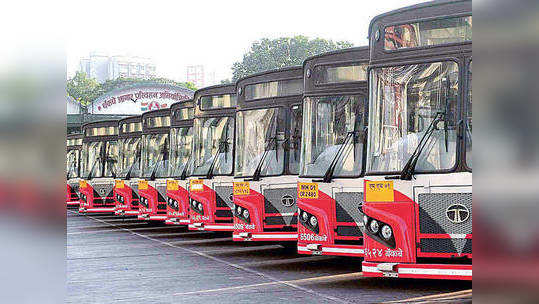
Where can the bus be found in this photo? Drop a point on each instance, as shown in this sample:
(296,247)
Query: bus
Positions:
(335,108)
(417,209)
(100,151)
(126,187)
(73,172)
(152,187)
(181,160)
(212,174)
(268,140)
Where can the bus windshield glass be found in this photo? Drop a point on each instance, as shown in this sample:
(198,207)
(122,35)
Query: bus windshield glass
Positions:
(130,149)
(407,101)
(72,163)
(181,150)
(333,132)
(428,33)
(214,138)
(260,142)
(155,155)
(92,160)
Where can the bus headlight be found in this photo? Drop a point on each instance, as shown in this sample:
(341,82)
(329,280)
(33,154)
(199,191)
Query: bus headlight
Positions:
(313,221)
(238,210)
(304,216)
(387,233)
(246,213)
(374,226)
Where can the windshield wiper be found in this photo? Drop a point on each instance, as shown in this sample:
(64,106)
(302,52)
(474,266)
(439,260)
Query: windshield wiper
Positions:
(93,166)
(408,170)
(328,176)
(184,171)
(128,175)
(258,170)
(223,147)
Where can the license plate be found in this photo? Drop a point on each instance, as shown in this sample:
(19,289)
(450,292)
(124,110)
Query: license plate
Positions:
(379,191)
(241,188)
(196,185)
(172,185)
(143,185)
(308,190)
(119,184)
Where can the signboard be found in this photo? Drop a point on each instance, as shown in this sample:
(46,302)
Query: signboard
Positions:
(241,188)
(379,191)
(172,185)
(135,100)
(196,185)
(142,185)
(119,184)
(308,190)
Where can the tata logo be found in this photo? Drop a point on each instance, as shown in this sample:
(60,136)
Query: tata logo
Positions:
(287,201)
(457,213)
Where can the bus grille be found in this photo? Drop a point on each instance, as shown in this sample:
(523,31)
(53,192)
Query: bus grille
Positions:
(347,211)
(434,219)
(223,196)
(283,201)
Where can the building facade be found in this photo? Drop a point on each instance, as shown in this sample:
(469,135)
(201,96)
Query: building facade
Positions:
(103,67)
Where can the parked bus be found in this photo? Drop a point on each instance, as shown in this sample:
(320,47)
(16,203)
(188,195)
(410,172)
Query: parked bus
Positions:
(99,166)
(126,187)
(152,187)
(210,184)
(181,160)
(269,118)
(73,170)
(417,205)
(333,152)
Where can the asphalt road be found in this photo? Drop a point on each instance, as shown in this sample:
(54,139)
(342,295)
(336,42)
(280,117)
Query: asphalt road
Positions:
(111,260)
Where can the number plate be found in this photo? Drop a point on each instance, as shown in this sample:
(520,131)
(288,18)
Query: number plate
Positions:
(82,184)
(172,185)
(142,185)
(379,191)
(308,190)
(196,185)
(242,188)
(119,184)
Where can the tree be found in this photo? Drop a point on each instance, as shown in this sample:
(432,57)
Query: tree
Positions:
(82,88)
(267,54)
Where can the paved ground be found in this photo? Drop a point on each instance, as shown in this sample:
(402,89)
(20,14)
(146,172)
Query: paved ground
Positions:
(126,261)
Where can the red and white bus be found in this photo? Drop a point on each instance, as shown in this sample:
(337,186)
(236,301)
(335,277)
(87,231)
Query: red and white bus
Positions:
(417,209)
(73,170)
(181,160)
(126,187)
(267,148)
(152,187)
(333,151)
(210,181)
(99,166)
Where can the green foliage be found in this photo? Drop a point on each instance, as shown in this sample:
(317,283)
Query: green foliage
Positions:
(85,89)
(267,54)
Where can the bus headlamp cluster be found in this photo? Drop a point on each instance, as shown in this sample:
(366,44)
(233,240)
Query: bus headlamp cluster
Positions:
(144,201)
(197,206)
(309,221)
(378,230)
(242,213)
(119,198)
(172,203)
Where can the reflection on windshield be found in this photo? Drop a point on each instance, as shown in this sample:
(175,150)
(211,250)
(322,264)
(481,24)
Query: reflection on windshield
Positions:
(404,101)
(72,163)
(111,159)
(181,149)
(214,139)
(469,121)
(130,149)
(327,123)
(155,155)
(259,143)
(92,161)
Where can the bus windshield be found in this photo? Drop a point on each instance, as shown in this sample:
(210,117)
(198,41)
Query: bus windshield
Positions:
(155,155)
(214,139)
(405,101)
(333,132)
(260,142)
(112,152)
(72,163)
(92,160)
(130,150)
(181,150)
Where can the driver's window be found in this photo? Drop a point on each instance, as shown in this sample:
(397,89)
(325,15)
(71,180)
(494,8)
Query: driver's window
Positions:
(296,119)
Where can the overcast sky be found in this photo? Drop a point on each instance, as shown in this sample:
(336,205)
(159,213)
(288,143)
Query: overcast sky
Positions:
(212,33)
